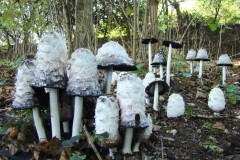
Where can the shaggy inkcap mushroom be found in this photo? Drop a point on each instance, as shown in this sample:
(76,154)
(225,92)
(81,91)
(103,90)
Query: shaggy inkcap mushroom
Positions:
(25,96)
(175,106)
(112,56)
(191,55)
(224,61)
(107,120)
(83,82)
(216,100)
(201,56)
(159,59)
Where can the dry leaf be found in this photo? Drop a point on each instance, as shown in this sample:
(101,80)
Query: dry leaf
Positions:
(156,127)
(200,95)
(191,104)
(219,125)
(13,148)
(65,155)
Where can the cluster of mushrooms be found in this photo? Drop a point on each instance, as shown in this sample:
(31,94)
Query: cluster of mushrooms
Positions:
(52,71)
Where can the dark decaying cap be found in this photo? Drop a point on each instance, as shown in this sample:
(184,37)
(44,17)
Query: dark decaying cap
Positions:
(159,59)
(134,120)
(116,64)
(149,40)
(174,44)
(162,87)
(224,64)
(201,59)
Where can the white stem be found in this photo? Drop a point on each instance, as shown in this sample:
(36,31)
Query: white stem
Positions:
(66,127)
(136,147)
(191,67)
(128,141)
(108,81)
(224,74)
(112,151)
(39,125)
(77,119)
(149,57)
(54,110)
(169,64)
(156,95)
(161,72)
(200,69)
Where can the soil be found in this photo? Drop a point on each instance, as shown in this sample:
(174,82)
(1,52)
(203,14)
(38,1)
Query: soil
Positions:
(197,135)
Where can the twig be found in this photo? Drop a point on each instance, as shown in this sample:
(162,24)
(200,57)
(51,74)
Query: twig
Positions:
(91,143)
(210,116)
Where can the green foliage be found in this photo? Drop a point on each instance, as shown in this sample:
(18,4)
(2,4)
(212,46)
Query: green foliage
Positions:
(18,61)
(69,143)
(232,94)
(78,156)
(141,71)
(2,83)
(189,111)
(208,145)
(207,125)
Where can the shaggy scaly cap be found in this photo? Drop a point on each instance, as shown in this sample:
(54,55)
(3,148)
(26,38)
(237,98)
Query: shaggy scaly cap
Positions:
(175,106)
(216,100)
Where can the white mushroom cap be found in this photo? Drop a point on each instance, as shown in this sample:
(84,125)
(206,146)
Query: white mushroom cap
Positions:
(83,74)
(216,100)
(191,54)
(202,54)
(224,59)
(50,61)
(112,54)
(107,119)
(24,95)
(130,93)
(149,78)
(175,106)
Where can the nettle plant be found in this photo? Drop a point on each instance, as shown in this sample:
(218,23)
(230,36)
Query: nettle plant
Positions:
(232,93)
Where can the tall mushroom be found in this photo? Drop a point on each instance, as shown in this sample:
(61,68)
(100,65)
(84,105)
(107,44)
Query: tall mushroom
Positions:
(83,82)
(25,96)
(130,93)
(50,62)
(112,56)
(216,100)
(149,42)
(191,57)
(159,61)
(170,45)
(175,106)
(224,61)
(201,56)
(107,120)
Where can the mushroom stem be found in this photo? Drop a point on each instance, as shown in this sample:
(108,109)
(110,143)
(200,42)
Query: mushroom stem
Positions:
(161,71)
(107,81)
(169,64)
(39,125)
(128,141)
(111,152)
(200,69)
(156,95)
(136,147)
(77,119)
(191,67)
(66,127)
(224,75)
(149,57)
(55,119)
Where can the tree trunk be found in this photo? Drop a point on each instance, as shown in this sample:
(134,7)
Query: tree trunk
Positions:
(153,4)
(134,32)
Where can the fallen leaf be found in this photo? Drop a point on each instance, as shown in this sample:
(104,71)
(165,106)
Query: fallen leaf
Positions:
(65,155)
(201,95)
(219,125)
(156,127)
(191,104)
(13,148)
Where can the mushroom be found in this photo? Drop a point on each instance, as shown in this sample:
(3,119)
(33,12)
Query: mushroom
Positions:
(191,57)
(144,136)
(83,82)
(159,61)
(25,96)
(112,56)
(130,93)
(154,87)
(106,121)
(175,106)
(224,61)
(50,60)
(170,45)
(201,56)
(149,41)
(216,100)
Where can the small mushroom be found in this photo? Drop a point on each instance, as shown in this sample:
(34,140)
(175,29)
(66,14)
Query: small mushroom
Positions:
(154,87)
(50,62)
(149,41)
(170,45)
(25,96)
(159,61)
(191,57)
(83,82)
(130,93)
(144,136)
(112,56)
(175,106)
(201,56)
(216,100)
(224,61)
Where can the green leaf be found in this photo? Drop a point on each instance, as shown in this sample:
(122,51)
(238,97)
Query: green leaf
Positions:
(67,144)
(74,139)
(129,11)
(100,138)
(213,27)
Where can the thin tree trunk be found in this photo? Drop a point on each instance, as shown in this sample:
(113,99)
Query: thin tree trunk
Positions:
(134,32)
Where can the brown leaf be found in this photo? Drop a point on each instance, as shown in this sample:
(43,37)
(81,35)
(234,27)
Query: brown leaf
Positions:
(65,155)
(219,125)
(13,148)
(201,95)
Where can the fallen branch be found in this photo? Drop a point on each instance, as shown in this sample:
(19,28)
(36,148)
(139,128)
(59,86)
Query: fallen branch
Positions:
(210,117)
(91,143)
